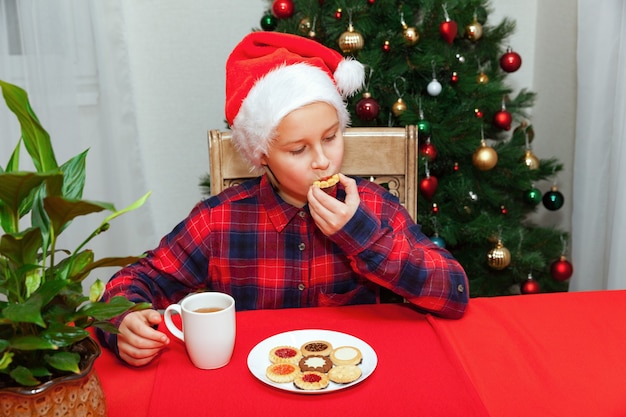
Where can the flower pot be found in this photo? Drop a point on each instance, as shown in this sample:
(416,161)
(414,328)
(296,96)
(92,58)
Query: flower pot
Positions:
(71,395)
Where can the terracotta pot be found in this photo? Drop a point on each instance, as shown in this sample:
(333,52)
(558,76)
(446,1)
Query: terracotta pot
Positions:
(67,396)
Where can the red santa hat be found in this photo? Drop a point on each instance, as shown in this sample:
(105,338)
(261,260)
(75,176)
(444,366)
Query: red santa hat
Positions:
(269,74)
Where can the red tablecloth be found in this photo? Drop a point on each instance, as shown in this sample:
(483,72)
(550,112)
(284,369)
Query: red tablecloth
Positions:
(543,355)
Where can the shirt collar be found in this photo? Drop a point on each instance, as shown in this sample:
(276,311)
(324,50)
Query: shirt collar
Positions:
(280,212)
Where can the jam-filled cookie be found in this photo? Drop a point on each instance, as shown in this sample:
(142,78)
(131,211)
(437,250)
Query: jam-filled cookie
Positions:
(327,183)
(346,355)
(311,381)
(285,354)
(316,347)
(344,374)
(282,372)
(315,363)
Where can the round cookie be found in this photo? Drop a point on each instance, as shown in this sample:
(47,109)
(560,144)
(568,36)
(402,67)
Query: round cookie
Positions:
(311,381)
(285,354)
(327,183)
(344,374)
(346,355)
(316,347)
(282,372)
(315,363)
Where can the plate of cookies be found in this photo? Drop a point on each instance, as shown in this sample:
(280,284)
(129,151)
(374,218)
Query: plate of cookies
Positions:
(312,361)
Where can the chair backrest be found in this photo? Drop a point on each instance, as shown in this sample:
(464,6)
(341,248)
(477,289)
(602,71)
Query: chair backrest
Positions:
(385,155)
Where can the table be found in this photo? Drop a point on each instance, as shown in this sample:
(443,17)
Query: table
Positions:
(557,354)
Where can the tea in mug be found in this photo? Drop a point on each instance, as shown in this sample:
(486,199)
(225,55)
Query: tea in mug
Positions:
(208,309)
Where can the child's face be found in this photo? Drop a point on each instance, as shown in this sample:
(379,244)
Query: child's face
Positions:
(308,147)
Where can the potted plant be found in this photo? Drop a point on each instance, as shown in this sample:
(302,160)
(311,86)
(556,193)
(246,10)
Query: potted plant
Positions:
(44,311)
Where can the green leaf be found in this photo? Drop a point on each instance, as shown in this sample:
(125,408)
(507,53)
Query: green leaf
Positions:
(14,162)
(74,173)
(102,263)
(73,266)
(64,361)
(107,326)
(39,218)
(140,202)
(32,282)
(105,311)
(23,376)
(29,311)
(21,248)
(6,360)
(96,290)
(16,187)
(61,210)
(39,371)
(36,139)
(32,342)
(62,335)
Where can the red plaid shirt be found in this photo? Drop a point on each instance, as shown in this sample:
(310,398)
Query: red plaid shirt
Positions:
(268,254)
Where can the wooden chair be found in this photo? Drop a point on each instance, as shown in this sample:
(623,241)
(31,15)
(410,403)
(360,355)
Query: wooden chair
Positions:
(386,155)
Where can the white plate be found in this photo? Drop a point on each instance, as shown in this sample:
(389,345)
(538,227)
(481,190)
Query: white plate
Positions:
(258,358)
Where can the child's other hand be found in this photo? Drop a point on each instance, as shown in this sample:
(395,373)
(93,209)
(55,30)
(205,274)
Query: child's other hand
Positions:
(138,342)
(330,214)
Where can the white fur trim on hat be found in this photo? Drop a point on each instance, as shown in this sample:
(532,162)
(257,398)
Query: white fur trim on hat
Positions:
(283,90)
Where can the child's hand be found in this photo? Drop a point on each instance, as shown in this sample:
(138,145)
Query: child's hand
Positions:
(330,214)
(138,342)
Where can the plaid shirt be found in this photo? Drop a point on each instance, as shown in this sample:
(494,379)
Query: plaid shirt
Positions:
(268,254)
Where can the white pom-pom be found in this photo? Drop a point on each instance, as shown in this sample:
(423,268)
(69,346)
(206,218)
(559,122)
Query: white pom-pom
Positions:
(349,77)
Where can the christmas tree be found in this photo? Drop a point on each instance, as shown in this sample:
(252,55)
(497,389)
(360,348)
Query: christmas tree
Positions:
(442,66)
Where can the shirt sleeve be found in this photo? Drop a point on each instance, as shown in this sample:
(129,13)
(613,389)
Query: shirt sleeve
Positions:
(177,267)
(388,248)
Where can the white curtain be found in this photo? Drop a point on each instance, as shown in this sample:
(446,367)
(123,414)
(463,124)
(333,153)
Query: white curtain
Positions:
(71,57)
(38,56)
(599,213)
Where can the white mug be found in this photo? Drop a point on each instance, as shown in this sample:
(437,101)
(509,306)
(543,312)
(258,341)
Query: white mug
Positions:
(209,336)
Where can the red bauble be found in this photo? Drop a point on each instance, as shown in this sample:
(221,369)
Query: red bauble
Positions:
(510,61)
(283,9)
(530,286)
(562,269)
(428,186)
(454,78)
(503,119)
(428,150)
(448,30)
(338,14)
(367,108)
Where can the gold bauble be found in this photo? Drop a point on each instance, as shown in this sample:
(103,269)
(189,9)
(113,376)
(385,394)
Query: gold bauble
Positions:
(485,157)
(482,78)
(350,41)
(530,160)
(398,107)
(411,35)
(499,257)
(474,31)
(305,25)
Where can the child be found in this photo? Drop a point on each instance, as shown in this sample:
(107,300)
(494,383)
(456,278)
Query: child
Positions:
(278,241)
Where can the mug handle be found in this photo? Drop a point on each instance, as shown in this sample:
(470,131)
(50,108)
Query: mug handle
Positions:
(173,309)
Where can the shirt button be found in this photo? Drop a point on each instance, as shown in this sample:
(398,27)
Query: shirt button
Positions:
(301,246)
(301,287)
(302,214)
(460,288)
